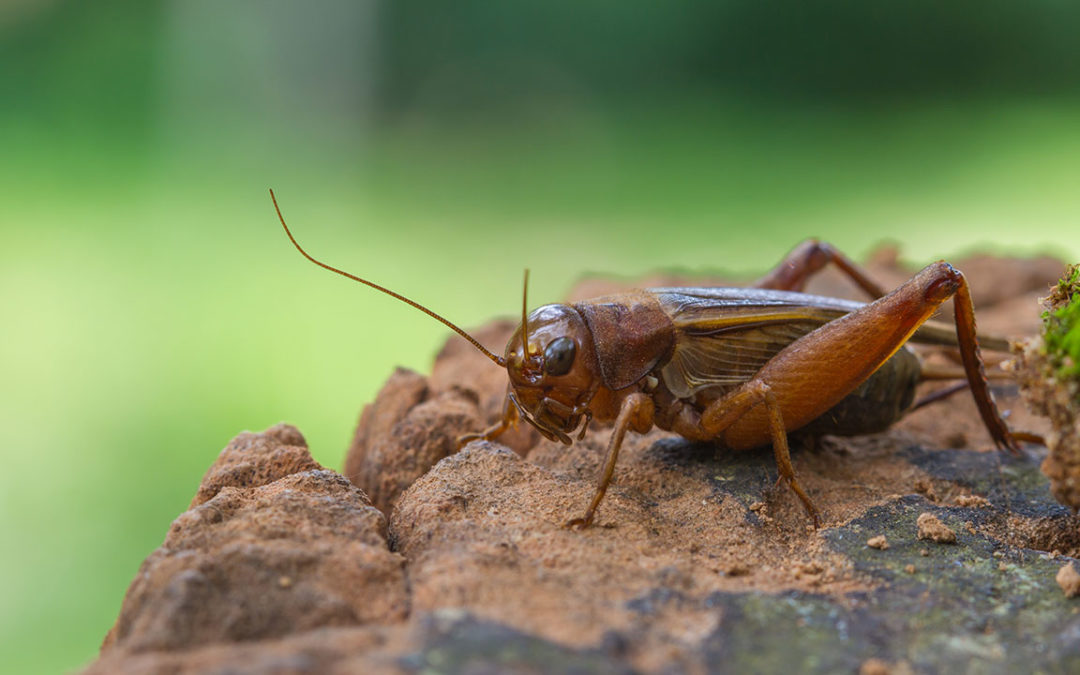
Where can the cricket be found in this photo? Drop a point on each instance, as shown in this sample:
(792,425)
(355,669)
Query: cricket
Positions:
(740,367)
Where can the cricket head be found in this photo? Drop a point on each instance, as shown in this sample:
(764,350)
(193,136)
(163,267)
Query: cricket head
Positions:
(553,370)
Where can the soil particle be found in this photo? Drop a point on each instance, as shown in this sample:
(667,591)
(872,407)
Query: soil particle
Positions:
(972,501)
(926,488)
(931,527)
(879,542)
(874,667)
(1069,579)
(880,667)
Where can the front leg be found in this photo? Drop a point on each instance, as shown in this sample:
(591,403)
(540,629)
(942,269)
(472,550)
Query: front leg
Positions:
(509,420)
(637,410)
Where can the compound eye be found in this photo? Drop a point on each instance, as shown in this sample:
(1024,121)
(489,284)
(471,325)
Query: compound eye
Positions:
(559,356)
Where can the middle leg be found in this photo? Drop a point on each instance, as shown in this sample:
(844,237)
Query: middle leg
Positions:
(635,412)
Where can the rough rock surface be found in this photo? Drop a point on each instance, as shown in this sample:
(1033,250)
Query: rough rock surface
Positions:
(404,433)
(269,529)
(696,563)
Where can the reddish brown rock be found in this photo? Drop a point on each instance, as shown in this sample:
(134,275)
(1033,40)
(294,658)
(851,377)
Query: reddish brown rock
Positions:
(484,529)
(404,433)
(251,460)
(425,435)
(416,421)
(404,390)
(461,366)
(281,546)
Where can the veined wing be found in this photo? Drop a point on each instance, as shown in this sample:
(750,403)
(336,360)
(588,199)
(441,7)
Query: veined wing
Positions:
(725,335)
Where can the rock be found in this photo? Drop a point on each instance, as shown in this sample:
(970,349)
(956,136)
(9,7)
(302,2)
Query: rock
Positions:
(696,561)
(416,421)
(251,460)
(275,544)
(404,433)
(404,390)
(461,366)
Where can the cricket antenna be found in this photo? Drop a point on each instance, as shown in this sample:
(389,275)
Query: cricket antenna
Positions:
(525,314)
(497,359)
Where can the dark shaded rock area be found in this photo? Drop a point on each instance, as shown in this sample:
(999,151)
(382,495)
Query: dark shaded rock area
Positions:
(459,562)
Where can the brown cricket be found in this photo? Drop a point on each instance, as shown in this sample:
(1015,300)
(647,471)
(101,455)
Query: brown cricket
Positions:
(738,366)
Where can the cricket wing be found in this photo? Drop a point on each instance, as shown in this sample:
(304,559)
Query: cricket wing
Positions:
(724,337)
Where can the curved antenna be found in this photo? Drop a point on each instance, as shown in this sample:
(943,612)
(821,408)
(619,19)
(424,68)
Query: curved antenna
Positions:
(497,359)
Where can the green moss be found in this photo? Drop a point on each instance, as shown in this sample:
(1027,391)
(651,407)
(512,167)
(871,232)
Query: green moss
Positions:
(1061,321)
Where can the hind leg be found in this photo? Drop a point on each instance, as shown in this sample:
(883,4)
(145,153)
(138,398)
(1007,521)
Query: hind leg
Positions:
(724,412)
(809,258)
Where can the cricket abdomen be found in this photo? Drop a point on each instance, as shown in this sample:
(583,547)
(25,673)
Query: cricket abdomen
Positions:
(876,404)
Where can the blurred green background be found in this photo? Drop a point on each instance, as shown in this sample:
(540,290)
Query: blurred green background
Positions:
(151,308)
